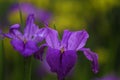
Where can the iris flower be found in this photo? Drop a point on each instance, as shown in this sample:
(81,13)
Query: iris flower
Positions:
(39,13)
(26,43)
(109,77)
(61,55)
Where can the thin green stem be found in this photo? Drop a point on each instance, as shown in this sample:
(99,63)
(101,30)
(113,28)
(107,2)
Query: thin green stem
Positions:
(27,68)
(2,60)
(56,29)
(21,19)
(61,78)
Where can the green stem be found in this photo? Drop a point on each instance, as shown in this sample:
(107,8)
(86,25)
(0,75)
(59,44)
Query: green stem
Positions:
(21,19)
(2,60)
(56,29)
(27,68)
(59,78)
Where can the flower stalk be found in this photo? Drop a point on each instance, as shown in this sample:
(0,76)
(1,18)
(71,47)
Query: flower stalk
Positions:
(27,68)
(2,60)
(27,60)
(21,19)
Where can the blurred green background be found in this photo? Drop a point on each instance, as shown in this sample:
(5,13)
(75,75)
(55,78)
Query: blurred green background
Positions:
(101,18)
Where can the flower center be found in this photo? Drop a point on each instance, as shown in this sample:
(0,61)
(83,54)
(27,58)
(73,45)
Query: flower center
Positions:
(62,50)
(25,40)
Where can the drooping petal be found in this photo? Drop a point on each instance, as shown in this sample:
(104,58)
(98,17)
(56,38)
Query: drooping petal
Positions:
(61,63)
(77,40)
(53,59)
(29,48)
(17,44)
(39,54)
(93,57)
(40,34)
(30,28)
(52,39)
(69,59)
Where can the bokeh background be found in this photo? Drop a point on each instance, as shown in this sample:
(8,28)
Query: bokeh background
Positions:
(101,18)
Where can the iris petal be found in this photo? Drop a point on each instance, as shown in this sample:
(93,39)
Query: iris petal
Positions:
(92,57)
(53,59)
(14,32)
(40,35)
(77,40)
(65,38)
(39,54)
(52,38)
(15,26)
(29,48)
(61,63)
(30,28)
(17,44)
(69,59)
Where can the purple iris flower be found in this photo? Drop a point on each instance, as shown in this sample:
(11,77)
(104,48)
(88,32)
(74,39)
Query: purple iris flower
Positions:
(40,14)
(109,77)
(61,55)
(26,43)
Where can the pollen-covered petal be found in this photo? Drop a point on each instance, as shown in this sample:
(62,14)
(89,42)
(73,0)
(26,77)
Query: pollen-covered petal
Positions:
(17,44)
(29,48)
(93,57)
(52,38)
(77,40)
